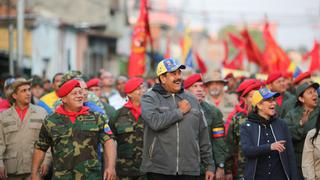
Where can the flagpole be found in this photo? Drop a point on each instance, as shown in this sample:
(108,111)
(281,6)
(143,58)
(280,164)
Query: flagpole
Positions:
(152,64)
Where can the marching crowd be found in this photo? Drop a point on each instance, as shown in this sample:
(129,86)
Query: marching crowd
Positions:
(168,127)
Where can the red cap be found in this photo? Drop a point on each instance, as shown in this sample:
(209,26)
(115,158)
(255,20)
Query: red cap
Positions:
(132,84)
(301,77)
(93,82)
(245,84)
(255,86)
(273,76)
(67,87)
(191,80)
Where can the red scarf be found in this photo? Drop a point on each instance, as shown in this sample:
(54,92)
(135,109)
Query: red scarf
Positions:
(21,112)
(72,115)
(279,100)
(135,110)
(241,107)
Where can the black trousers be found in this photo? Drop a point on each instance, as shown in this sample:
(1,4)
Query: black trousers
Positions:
(156,176)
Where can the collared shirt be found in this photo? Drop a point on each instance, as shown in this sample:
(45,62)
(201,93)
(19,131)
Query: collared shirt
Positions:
(21,112)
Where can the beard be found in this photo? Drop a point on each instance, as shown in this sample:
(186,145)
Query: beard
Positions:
(215,92)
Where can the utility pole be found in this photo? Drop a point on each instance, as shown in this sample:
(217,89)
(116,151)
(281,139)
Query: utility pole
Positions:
(20,31)
(10,35)
(11,39)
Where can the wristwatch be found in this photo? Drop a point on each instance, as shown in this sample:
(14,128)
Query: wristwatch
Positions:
(220,165)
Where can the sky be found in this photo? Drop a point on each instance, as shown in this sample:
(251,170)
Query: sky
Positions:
(298,20)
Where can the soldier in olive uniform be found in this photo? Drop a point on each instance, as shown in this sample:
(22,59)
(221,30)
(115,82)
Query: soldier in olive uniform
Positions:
(235,159)
(128,130)
(213,115)
(303,117)
(73,133)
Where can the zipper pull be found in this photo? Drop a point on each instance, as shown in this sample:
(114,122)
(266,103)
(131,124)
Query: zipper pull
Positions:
(174,100)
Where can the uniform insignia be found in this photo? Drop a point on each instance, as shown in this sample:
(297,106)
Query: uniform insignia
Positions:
(217,132)
(248,124)
(107,129)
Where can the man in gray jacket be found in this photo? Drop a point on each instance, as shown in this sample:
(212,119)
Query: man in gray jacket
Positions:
(176,137)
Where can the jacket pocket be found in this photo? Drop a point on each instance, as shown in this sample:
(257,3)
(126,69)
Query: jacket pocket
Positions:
(11,134)
(35,127)
(11,162)
(151,149)
(59,133)
(122,128)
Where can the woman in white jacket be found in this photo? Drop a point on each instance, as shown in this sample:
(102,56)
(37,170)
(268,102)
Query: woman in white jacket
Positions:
(311,154)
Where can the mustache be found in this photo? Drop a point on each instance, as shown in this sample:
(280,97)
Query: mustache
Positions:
(178,80)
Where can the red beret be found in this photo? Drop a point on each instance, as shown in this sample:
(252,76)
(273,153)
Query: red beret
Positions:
(288,75)
(93,82)
(255,86)
(228,76)
(273,76)
(191,80)
(132,84)
(67,87)
(301,77)
(245,84)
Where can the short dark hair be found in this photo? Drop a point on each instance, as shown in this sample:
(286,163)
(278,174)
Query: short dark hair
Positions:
(57,74)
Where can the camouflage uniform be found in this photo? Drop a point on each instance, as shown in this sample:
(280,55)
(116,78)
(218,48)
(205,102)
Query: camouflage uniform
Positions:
(235,161)
(129,135)
(74,146)
(216,132)
(110,110)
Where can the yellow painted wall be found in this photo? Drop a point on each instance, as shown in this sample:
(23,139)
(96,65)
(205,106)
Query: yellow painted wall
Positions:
(4,41)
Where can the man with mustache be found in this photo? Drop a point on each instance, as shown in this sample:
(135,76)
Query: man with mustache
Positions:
(176,137)
(19,129)
(74,132)
(215,93)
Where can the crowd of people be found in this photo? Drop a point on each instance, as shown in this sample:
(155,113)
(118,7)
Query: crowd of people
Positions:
(167,127)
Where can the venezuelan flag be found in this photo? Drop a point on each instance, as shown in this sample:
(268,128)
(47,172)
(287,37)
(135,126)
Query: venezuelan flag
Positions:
(107,129)
(186,48)
(217,132)
(294,69)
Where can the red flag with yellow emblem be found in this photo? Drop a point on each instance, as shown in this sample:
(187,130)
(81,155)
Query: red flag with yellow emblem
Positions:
(137,58)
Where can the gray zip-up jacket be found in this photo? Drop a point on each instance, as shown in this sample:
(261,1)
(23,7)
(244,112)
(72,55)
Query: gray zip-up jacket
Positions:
(174,143)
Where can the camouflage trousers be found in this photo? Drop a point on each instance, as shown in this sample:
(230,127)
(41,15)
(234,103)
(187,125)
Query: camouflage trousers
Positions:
(79,176)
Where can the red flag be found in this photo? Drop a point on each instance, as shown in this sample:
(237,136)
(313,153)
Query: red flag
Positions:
(137,64)
(253,52)
(236,62)
(201,65)
(315,57)
(276,58)
(236,41)
(167,53)
(226,52)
